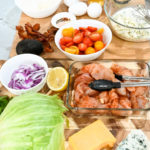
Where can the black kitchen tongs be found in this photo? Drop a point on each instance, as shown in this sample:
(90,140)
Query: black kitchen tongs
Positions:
(106,85)
(131,78)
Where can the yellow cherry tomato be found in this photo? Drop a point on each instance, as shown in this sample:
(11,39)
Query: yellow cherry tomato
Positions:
(72,50)
(98,45)
(90,50)
(101,30)
(68,32)
(76,48)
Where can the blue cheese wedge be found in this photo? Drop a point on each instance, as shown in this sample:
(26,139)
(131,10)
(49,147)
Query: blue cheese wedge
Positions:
(136,140)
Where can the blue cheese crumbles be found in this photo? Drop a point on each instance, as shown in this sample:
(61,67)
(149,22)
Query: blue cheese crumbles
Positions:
(136,140)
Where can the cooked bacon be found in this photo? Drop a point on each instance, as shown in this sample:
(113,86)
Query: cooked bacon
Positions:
(32,32)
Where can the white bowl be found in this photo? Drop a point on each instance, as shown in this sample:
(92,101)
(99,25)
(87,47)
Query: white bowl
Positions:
(14,63)
(39,8)
(62,15)
(107,37)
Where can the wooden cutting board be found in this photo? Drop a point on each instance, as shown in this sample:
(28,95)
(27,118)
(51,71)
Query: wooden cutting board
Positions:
(119,126)
(118,49)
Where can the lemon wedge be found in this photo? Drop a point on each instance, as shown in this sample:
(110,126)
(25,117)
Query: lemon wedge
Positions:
(57,79)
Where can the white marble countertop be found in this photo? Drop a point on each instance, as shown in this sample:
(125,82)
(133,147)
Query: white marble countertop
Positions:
(9,17)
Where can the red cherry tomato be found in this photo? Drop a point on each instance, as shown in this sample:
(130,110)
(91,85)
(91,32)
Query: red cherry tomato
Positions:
(81,53)
(95,36)
(87,33)
(76,31)
(82,47)
(63,47)
(101,39)
(65,40)
(87,41)
(69,44)
(62,42)
(78,38)
(92,29)
(82,28)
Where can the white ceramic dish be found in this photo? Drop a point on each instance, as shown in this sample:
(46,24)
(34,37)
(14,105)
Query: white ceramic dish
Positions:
(62,15)
(107,37)
(38,9)
(14,63)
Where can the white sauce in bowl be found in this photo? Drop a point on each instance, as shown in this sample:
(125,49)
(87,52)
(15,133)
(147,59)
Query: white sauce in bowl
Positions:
(129,17)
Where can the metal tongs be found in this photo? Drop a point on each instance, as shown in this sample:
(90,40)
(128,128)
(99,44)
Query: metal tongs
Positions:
(106,85)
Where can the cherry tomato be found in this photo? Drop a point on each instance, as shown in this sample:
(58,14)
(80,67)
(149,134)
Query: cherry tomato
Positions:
(82,28)
(92,29)
(69,44)
(63,46)
(78,38)
(65,40)
(62,42)
(87,33)
(90,50)
(81,53)
(101,39)
(82,47)
(100,31)
(95,36)
(76,48)
(87,41)
(70,50)
(98,45)
(76,31)
(68,32)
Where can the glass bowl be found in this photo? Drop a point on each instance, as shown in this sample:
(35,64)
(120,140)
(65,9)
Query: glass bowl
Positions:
(126,21)
(70,101)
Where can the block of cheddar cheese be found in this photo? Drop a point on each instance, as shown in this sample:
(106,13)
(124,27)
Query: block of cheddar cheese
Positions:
(96,136)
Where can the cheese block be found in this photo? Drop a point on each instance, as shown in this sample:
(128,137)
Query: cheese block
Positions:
(136,140)
(96,136)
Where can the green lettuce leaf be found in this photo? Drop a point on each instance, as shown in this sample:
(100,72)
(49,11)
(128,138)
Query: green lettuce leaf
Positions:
(3,102)
(32,121)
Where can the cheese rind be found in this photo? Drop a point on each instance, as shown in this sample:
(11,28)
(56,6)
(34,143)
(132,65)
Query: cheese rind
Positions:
(96,136)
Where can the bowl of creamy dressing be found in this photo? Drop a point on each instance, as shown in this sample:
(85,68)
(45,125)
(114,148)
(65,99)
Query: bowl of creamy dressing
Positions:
(126,22)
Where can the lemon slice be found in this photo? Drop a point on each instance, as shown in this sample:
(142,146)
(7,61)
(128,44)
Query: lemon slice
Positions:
(57,79)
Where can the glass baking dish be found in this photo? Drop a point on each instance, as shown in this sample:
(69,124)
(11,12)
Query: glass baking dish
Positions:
(135,66)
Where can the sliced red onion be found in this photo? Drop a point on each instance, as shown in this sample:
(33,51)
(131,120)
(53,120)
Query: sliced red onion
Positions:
(27,76)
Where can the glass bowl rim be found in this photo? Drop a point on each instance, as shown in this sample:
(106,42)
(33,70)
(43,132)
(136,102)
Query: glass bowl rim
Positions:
(106,12)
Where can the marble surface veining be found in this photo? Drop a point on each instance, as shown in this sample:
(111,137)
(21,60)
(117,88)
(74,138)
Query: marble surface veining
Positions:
(9,18)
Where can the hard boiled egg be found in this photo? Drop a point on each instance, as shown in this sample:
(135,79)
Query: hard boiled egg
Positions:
(94,10)
(78,9)
(70,2)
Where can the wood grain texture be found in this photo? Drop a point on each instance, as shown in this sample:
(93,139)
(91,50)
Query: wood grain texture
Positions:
(119,126)
(118,49)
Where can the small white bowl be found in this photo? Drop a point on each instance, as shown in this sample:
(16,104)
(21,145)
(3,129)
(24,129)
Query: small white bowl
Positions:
(62,15)
(13,63)
(107,37)
(38,10)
